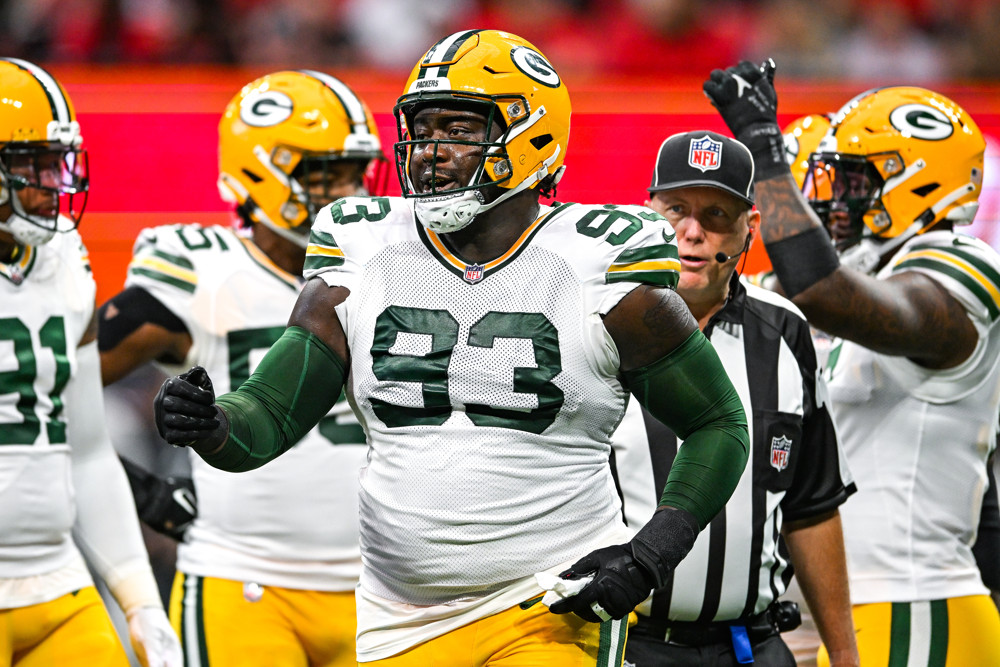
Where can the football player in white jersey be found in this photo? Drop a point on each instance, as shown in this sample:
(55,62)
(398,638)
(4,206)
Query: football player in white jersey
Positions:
(915,381)
(267,570)
(488,344)
(62,490)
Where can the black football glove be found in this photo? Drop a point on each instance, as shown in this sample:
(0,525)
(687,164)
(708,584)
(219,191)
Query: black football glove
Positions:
(625,574)
(620,583)
(167,505)
(185,412)
(745,97)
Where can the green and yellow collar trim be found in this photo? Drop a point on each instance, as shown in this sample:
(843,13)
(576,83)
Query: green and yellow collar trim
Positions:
(20,266)
(474,273)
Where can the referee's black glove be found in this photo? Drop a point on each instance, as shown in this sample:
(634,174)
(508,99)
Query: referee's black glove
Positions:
(745,97)
(186,415)
(625,574)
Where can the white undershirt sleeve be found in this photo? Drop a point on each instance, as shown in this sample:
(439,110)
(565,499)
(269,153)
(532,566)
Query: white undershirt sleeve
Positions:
(107,526)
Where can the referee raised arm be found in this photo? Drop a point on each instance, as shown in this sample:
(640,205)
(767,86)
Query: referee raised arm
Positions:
(721,606)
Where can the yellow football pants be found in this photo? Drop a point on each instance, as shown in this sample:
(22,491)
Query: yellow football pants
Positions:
(223,623)
(70,631)
(528,635)
(956,632)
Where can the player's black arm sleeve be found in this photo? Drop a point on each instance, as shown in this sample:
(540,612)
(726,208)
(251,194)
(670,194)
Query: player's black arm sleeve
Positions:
(689,391)
(987,547)
(127,311)
(295,385)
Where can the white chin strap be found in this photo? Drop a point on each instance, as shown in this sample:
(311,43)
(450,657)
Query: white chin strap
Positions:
(451,212)
(26,232)
(20,225)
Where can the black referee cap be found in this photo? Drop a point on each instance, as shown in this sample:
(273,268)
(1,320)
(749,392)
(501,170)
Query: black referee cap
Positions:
(707,159)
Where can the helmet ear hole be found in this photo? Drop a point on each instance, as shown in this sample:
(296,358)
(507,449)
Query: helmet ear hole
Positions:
(925,190)
(252,176)
(541,141)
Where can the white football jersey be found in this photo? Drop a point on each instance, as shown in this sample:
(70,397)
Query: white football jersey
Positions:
(489,394)
(46,303)
(292,523)
(917,439)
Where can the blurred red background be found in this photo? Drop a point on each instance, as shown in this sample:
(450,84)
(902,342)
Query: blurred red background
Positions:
(151,134)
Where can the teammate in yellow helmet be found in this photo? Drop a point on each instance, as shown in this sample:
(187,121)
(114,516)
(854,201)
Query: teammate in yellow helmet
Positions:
(915,379)
(268,566)
(64,491)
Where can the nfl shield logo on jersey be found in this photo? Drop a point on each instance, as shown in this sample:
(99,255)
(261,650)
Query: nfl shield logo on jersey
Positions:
(705,153)
(474,273)
(780,448)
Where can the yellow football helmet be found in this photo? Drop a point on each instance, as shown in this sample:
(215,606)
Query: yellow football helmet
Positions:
(285,132)
(802,138)
(516,87)
(41,162)
(899,161)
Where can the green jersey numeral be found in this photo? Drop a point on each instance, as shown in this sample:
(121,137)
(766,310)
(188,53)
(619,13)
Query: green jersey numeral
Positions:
(599,221)
(430,368)
(196,238)
(355,209)
(21,380)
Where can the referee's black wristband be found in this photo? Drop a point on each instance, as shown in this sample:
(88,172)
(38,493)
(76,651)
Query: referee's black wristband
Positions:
(803,260)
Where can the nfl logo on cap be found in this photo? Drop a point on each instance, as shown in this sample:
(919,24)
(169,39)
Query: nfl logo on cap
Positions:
(705,153)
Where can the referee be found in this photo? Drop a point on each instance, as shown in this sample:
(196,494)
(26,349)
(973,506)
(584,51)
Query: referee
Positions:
(722,605)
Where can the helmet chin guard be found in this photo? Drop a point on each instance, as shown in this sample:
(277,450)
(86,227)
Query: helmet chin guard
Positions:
(449,213)
(26,232)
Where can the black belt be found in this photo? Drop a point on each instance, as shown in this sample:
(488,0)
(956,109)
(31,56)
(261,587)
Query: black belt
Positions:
(758,627)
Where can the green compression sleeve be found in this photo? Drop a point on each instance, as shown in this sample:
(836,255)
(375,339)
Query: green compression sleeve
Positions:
(295,385)
(689,391)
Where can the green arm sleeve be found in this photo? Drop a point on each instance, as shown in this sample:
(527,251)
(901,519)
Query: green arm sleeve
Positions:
(689,391)
(295,385)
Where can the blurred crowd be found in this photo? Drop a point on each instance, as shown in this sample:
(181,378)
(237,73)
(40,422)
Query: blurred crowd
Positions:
(920,41)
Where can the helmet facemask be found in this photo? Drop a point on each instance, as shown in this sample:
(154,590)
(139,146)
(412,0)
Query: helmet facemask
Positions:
(59,172)
(321,178)
(837,185)
(453,207)
(509,83)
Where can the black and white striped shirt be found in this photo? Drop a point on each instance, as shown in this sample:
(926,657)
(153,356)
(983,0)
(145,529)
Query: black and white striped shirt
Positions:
(739,564)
